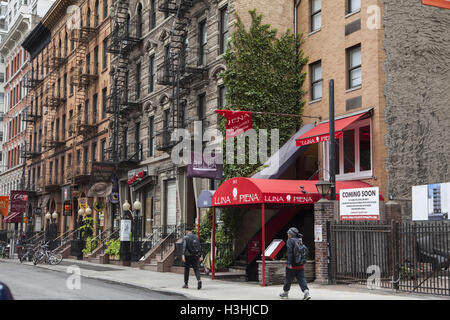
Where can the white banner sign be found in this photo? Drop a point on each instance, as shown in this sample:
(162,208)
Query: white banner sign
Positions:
(359,204)
(125,230)
(318,233)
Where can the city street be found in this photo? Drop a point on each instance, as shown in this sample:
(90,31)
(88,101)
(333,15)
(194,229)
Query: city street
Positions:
(28,282)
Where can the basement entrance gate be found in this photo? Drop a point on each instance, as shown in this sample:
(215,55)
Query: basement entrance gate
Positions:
(407,256)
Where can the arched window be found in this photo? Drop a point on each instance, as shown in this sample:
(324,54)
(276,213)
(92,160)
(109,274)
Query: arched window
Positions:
(88,23)
(127,26)
(152,23)
(66,44)
(139,21)
(97,12)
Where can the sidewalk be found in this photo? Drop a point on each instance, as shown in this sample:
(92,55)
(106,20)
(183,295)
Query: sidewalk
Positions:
(219,289)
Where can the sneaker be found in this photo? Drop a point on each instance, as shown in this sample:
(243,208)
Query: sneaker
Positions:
(185,286)
(284,295)
(199,285)
(306,296)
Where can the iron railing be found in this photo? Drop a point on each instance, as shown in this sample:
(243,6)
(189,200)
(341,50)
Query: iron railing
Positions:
(410,256)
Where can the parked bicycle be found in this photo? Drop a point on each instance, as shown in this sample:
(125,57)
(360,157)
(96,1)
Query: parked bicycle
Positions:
(4,250)
(43,253)
(28,253)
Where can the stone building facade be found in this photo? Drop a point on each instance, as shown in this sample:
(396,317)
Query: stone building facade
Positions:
(417,91)
(167,194)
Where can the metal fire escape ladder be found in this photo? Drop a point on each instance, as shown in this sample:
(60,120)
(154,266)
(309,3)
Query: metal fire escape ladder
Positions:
(121,42)
(179,69)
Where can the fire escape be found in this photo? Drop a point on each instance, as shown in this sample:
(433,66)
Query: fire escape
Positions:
(121,104)
(54,99)
(86,73)
(182,66)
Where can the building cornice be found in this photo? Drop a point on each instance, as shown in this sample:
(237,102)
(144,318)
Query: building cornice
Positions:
(19,30)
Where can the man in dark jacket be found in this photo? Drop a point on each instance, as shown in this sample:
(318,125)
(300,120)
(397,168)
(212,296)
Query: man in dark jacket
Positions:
(293,270)
(190,259)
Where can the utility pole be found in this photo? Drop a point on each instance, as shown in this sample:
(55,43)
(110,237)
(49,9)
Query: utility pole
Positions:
(332,142)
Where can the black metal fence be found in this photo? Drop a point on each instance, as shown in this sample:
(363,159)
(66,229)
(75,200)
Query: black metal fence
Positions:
(407,256)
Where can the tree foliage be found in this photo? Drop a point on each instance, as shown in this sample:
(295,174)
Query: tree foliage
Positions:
(264,74)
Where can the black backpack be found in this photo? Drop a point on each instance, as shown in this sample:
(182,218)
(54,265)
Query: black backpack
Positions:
(193,245)
(300,252)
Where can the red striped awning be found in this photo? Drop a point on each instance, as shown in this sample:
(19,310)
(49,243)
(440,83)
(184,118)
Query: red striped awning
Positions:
(13,218)
(321,132)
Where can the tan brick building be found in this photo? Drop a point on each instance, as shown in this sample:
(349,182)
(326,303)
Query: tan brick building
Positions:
(344,43)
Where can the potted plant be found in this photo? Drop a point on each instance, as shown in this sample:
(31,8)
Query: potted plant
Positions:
(113,249)
(91,244)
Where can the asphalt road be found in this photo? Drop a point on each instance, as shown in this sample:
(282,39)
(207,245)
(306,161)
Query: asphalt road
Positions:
(28,282)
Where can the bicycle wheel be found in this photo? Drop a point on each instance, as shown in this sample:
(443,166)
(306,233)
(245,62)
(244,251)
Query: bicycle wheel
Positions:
(55,258)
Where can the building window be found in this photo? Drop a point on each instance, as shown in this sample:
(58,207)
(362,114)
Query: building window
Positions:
(95,108)
(151,87)
(139,21)
(315,70)
(151,134)
(97,13)
(152,23)
(223,29)
(103,150)
(105,53)
(316,14)
(202,110)
(354,66)
(202,34)
(2,77)
(94,152)
(86,112)
(353,6)
(353,157)
(138,81)
(222,101)
(105,8)
(104,102)
(95,60)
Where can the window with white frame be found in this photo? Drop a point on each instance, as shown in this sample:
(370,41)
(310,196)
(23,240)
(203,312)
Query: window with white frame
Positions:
(353,152)
(354,73)
(316,14)
(353,6)
(316,80)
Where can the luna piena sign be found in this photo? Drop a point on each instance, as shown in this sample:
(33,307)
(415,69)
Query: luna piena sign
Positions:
(237,198)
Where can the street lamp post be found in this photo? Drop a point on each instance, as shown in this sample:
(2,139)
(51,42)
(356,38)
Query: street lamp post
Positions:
(323,187)
(130,223)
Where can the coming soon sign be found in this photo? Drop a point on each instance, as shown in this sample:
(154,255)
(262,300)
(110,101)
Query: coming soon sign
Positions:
(359,204)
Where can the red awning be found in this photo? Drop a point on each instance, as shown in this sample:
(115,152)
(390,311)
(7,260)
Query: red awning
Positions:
(321,132)
(247,191)
(13,218)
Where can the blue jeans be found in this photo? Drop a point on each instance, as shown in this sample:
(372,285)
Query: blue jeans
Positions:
(290,275)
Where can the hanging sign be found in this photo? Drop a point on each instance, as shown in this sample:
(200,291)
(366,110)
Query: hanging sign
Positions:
(125,230)
(83,202)
(4,203)
(359,204)
(237,122)
(437,3)
(18,201)
(318,233)
(67,209)
(204,169)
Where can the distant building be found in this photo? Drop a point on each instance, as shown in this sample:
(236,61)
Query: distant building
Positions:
(20,19)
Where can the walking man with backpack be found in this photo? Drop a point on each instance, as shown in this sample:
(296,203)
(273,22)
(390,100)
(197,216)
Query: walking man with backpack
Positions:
(296,259)
(192,256)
